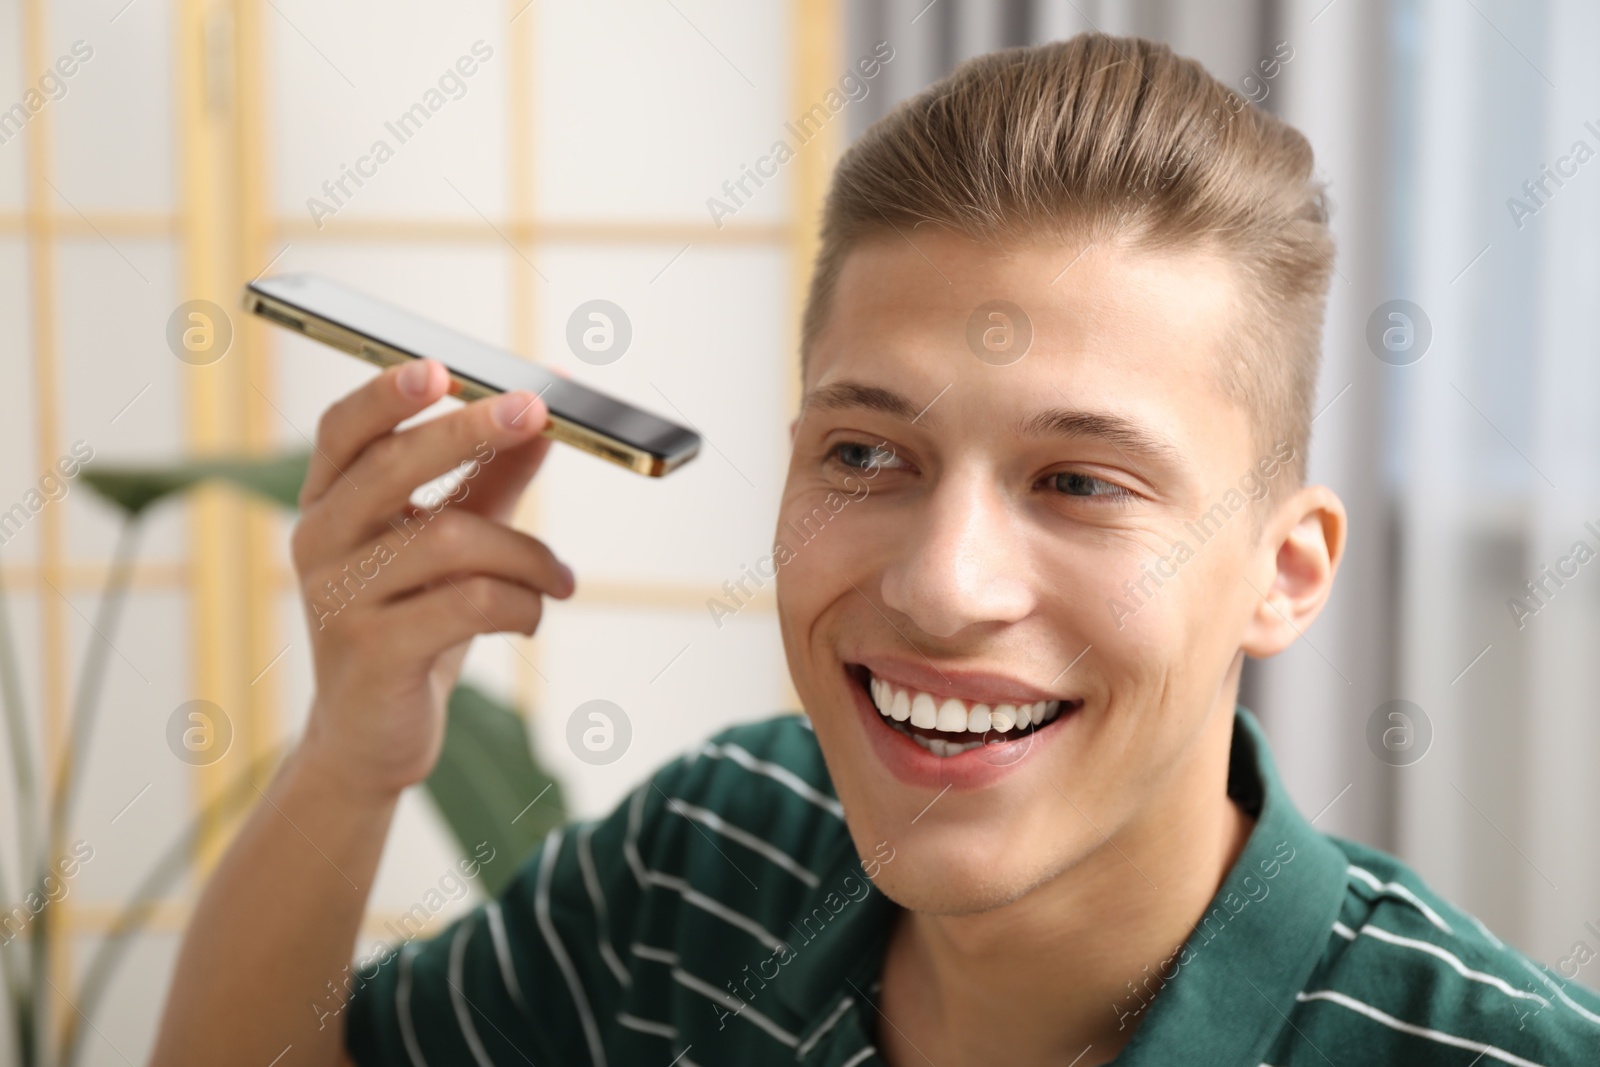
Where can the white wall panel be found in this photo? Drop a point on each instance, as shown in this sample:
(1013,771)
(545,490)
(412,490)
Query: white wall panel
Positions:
(115,145)
(136,795)
(645,109)
(709,349)
(343,75)
(19,469)
(13,83)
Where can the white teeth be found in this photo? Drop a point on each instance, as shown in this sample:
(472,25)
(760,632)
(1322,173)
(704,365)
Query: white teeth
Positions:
(942,748)
(900,707)
(952,717)
(978,719)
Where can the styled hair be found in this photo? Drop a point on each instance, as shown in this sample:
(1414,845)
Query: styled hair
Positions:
(1115,141)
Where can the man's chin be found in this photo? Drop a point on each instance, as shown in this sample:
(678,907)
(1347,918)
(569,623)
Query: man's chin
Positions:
(934,889)
(943,878)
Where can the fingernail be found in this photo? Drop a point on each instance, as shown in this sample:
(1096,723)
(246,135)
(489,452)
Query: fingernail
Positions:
(510,409)
(572,580)
(413,378)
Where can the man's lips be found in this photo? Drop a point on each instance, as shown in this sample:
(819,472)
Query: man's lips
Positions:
(949,724)
(934,759)
(972,686)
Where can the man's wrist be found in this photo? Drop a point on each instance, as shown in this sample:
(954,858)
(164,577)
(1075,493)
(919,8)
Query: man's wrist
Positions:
(321,766)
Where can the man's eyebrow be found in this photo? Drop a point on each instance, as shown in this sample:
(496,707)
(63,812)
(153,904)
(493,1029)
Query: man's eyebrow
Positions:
(842,395)
(1118,431)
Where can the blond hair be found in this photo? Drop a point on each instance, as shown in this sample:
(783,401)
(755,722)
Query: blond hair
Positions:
(1109,140)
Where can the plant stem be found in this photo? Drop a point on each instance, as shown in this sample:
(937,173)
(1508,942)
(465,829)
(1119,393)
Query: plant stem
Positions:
(22,1006)
(16,981)
(147,896)
(21,739)
(39,956)
(91,681)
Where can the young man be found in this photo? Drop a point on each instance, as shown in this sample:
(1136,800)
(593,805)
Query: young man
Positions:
(1046,493)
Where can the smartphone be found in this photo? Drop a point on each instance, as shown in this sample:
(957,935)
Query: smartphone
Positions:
(381,333)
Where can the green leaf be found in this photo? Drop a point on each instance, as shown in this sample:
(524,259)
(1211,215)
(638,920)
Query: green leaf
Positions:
(136,488)
(485,780)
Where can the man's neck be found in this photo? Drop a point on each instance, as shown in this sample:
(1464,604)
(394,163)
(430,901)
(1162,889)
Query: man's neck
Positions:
(1071,967)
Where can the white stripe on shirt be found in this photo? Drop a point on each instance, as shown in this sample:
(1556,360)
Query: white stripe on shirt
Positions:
(846,1002)
(502,952)
(743,837)
(647,877)
(1453,960)
(782,775)
(630,842)
(458,999)
(591,882)
(402,1006)
(650,952)
(1561,994)
(1398,890)
(647,1026)
(712,906)
(734,1005)
(1418,1031)
(541,907)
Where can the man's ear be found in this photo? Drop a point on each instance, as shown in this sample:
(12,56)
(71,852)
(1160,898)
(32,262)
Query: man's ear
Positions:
(1300,552)
(793,423)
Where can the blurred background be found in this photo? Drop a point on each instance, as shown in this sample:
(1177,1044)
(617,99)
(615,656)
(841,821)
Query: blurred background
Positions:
(155,153)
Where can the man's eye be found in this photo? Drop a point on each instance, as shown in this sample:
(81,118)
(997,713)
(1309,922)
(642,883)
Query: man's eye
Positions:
(1076,483)
(857,456)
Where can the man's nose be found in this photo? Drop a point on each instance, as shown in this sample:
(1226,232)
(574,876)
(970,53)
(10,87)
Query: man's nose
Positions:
(963,560)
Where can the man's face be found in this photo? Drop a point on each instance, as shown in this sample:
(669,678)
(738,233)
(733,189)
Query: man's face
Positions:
(1006,534)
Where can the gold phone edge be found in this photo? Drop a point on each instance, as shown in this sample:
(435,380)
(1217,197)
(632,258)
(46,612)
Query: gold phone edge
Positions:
(618,452)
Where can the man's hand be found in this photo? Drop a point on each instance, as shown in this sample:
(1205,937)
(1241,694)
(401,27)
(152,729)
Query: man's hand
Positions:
(410,586)
(394,592)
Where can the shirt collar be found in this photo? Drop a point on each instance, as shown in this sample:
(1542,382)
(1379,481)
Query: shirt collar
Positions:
(1261,936)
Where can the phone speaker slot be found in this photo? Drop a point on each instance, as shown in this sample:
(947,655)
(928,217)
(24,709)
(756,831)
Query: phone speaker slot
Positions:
(267,311)
(340,339)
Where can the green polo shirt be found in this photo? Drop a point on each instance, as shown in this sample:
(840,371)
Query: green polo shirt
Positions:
(722,916)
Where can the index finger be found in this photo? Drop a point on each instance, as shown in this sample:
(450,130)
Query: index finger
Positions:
(360,417)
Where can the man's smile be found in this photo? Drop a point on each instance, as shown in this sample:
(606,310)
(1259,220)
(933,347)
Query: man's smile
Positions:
(967,726)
